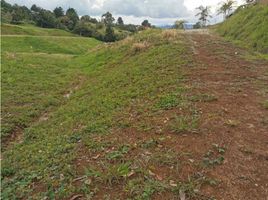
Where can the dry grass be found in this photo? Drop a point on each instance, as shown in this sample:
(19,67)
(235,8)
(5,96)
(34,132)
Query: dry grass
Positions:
(140,46)
(169,34)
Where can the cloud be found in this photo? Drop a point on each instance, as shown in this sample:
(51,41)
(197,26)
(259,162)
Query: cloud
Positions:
(137,8)
(133,11)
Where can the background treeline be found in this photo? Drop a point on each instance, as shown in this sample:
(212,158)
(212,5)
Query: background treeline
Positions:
(107,29)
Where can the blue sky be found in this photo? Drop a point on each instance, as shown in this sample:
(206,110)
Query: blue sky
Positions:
(134,11)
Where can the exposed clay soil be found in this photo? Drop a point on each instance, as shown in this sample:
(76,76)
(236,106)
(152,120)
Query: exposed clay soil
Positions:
(237,119)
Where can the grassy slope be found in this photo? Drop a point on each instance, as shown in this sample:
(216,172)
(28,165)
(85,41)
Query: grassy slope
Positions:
(248,26)
(9,29)
(35,74)
(117,77)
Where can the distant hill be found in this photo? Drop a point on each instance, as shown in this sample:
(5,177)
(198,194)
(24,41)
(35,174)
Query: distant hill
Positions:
(165,26)
(248,26)
(11,29)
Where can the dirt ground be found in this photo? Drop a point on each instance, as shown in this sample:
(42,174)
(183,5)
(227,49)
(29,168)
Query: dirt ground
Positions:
(237,119)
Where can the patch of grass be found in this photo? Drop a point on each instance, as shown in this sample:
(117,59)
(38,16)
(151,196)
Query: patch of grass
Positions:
(168,101)
(10,29)
(114,155)
(150,144)
(203,98)
(184,124)
(144,188)
(247,26)
(168,158)
(34,82)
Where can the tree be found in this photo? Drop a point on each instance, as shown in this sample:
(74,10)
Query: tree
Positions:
(108,18)
(6,7)
(197,25)
(34,8)
(73,16)
(120,21)
(87,18)
(58,12)
(204,14)
(84,29)
(179,24)
(20,13)
(46,19)
(226,8)
(109,34)
(146,23)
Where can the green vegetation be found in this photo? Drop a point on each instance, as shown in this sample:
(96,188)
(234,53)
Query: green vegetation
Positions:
(35,75)
(12,29)
(64,104)
(104,30)
(248,26)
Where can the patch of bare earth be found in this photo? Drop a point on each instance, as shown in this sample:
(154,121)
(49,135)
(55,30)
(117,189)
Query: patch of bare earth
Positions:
(236,119)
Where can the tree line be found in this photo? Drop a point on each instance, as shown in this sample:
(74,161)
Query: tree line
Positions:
(69,20)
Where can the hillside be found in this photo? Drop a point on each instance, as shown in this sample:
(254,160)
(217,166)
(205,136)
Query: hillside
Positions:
(163,114)
(249,26)
(11,29)
(35,72)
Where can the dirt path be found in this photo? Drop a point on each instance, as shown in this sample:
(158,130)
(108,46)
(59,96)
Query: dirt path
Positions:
(237,119)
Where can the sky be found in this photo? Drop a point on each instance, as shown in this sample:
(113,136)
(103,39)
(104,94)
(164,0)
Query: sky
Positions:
(158,12)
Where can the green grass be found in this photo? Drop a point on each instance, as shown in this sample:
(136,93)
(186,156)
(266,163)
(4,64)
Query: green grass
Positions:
(35,76)
(248,27)
(115,79)
(10,29)
(51,45)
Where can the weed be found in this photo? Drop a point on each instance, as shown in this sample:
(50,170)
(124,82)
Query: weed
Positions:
(115,173)
(215,156)
(203,98)
(183,124)
(144,188)
(119,153)
(168,101)
(168,158)
(149,143)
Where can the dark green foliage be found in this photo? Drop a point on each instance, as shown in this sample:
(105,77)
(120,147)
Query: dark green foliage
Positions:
(87,18)
(197,25)
(84,29)
(69,21)
(120,21)
(109,34)
(108,18)
(146,23)
(35,8)
(58,12)
(73,16)
(46,19)
(20,13)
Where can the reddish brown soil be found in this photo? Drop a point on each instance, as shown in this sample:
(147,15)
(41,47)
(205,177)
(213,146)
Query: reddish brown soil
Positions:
(236,120)
(238,84)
